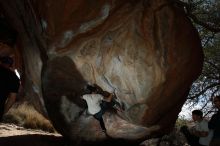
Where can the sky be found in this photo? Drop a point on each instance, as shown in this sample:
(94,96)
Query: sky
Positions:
(186,110)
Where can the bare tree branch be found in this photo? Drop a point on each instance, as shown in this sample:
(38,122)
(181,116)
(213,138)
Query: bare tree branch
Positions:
(212,64)
(205,25)
(208,40)
(188,8)
(204,90)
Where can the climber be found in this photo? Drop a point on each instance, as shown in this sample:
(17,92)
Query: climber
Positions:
(93,101)
(99,102)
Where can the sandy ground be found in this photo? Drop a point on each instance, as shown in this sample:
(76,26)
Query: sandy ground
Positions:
(12,135)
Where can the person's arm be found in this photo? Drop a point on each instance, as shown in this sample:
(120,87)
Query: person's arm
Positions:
(10,101)
(108,98)
(200,133)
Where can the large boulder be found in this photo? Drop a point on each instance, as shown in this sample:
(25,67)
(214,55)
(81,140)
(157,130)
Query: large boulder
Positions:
(146,51)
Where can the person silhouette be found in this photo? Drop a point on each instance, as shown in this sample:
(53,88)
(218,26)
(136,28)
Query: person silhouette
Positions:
(9,85)
(214,123)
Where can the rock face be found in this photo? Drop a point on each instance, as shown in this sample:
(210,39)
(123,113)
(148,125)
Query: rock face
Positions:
(146,51)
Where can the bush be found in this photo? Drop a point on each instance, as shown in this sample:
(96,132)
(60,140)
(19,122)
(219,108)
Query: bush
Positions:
(26,116)
(181,122)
